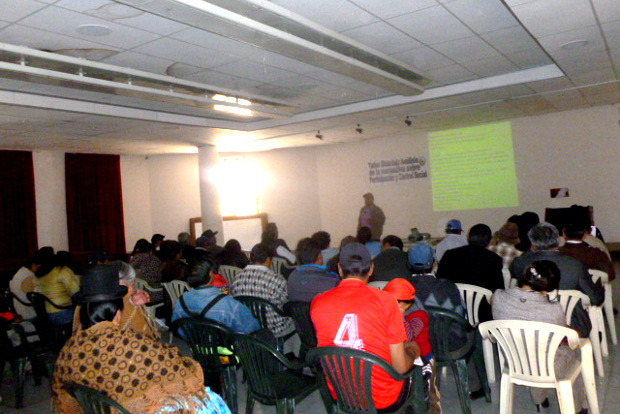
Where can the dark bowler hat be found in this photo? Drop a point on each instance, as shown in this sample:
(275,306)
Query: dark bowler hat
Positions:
(100,283)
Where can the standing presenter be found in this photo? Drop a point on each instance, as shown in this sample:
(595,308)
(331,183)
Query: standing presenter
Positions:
(371,216)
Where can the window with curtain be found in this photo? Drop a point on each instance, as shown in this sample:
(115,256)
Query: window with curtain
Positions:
(18,212)
(94,203)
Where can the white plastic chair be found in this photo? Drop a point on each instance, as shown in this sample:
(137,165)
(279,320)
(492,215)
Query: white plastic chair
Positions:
(279,263)
(141,284)
(379,284)
(175,289)
(507,277)
(472,296)
(229,273)
(608,304)
(569,299)
(529,349)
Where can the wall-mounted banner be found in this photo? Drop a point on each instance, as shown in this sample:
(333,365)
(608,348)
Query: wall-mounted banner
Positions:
(396,170)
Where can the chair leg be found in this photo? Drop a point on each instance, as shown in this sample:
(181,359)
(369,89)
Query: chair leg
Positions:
(565,397)
(19,371)
(479,363)
(282,407)
(589,383)
(595,340)
(249,406)
(460,374)
(609,313)
(230,388)
(506,394)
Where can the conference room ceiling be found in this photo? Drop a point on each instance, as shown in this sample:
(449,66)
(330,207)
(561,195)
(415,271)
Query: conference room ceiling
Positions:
(140,76)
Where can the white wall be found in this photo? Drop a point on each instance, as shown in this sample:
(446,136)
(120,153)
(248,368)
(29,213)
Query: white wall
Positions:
(50,195)
(136,199)
(174,193)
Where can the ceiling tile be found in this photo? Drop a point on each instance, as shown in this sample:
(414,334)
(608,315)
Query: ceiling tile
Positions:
(255,71)
(10,13)
(570,15)
(511,39)
(482,16)
(553,43)
(551,84)
(530,58)
(221,44)
(451,74)
(39,39)
(595,76)
(389,9)
(178,51)
(337,16)
(382,37)
(63,21)
(579,65)
(424,58)
(607,10)
(612,34)
(431,26)
(490,66)
(139,61)
(224,80)
(466,49)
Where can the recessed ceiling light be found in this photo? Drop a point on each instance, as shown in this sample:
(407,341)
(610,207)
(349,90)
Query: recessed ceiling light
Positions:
(93,30)
(114,11)
(575,44)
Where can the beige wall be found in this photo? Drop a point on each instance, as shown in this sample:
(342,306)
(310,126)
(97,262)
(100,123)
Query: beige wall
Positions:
(136,199)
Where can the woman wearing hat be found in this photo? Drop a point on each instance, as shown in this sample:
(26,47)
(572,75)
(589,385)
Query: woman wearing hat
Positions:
(142,374)
(504,241)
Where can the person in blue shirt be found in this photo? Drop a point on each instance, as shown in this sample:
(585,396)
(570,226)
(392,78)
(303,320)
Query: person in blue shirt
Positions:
(311,277)
(209,302)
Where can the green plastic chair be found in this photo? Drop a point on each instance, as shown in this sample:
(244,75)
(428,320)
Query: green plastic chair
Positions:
(272,378)
(260,309)
(208,341)
(53,335)
(350,371)
(454,342)
(93,401)
(300,312)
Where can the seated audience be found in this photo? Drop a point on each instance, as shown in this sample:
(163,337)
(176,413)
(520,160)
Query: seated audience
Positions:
(416,325)
(544,239)
(324,241)
(312,277)
(332,264)
(357,316)
(364,236)
(138,372)
(172,267)
(56,280)
(187,247)
(503,243)
(232,255)
(575,246)
(258,280)
(454,238)
(392,262)
(134,316)
(529,302)
(24,280)
(207,301)
(147,266)
(279,246)
(156,240)
(524,223)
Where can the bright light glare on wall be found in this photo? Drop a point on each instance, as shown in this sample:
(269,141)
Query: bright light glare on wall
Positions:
(232,109)
(239,186)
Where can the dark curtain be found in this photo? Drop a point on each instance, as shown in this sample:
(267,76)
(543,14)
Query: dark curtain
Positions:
(94,203)
(18,211)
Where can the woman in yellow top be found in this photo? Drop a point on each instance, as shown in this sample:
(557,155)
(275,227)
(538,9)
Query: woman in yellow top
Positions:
(58,282)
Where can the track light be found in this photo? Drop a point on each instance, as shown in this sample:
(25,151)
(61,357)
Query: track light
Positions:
(319,135)
(408,121)
(359,129)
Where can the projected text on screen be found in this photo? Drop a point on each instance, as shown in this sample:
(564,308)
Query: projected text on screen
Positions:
(473,168)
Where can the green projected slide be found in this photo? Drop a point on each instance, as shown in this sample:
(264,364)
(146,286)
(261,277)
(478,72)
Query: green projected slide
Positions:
(473,168)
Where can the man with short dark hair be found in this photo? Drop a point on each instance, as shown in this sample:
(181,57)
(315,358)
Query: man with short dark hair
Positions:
(311,278)
(324,240)
(391,263)
(354,315)
(576,247)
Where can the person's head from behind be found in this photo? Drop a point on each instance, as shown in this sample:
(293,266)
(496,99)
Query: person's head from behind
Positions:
(101,295)
(403,291)
(184,238)
(392,241)
(369,199)
(454,226)
(543,236)
(157,239)
(576,231)
(202,272)
(126,275)
(309,252)
(142,246)
(508,233)
(479,235)
(322,238)
(232,246)
(261,254)
(355,262)
(421,257)
(271,230)
(43,255)
(364,235)
(98,257)
(64,259)
(541,276)
(169,250)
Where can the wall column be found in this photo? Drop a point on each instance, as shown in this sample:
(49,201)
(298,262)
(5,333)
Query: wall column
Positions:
(208,159)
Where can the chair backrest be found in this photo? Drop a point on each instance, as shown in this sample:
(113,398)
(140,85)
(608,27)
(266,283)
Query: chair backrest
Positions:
(300,312)
(230,272)
(452,337)
(379,284)
(175,289)
(277,263)
(569,299)
(472,298)
(54,336)
(507,277)
(203,336)
(259,308)
(260,361)
(599,274)
(529,347)
(142,284)
(93,401)
(349,371)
